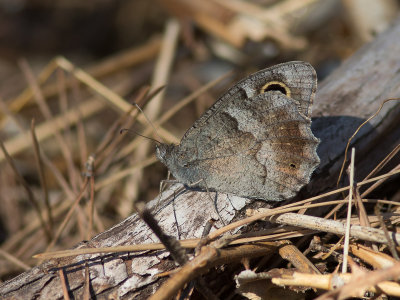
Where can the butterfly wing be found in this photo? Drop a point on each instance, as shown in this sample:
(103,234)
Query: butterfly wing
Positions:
(260,147)
(253,142)
(299,77)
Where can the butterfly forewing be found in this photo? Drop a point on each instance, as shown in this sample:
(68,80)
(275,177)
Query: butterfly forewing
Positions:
(255,141)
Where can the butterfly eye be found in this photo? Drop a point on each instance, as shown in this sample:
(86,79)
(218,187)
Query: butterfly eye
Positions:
(276,86)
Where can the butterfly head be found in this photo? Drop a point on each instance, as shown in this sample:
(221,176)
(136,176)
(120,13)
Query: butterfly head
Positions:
(167,154)
(176,161)
(162,151)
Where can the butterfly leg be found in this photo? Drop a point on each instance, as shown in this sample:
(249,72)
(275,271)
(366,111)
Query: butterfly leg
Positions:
(194,184)
(163,184)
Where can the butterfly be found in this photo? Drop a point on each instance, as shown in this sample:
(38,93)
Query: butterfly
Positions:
(255,141)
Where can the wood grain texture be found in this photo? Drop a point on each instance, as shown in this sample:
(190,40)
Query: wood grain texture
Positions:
(344,100)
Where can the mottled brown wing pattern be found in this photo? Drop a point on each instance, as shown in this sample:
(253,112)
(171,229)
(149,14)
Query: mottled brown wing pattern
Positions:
(254,141)
(300,77)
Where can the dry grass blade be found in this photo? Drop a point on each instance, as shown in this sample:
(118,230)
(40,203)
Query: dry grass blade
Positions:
(362,213)
(323,225)
(63,284)
(68,215)
(348,219)
(116,100)
(90,174)
(86,293)
(358,284)
(357,130)
(367,191)
(28,190)
(63,98)
(43,183)
(45,110)
(110,140)
(126,58)
(389,157)
(7,112)
(47,129)
(14,260)
(58,176)
(106,67)
(376,259)
(32,227)
(379,182)
(337,282)
(80,128)
(18,103)
(390,241)
(299,261)
(126,172)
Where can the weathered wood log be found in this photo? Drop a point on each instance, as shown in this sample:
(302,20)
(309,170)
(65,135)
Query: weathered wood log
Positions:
(344,100)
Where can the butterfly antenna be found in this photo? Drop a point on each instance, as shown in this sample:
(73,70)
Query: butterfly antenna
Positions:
(148,97)
(137,133)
